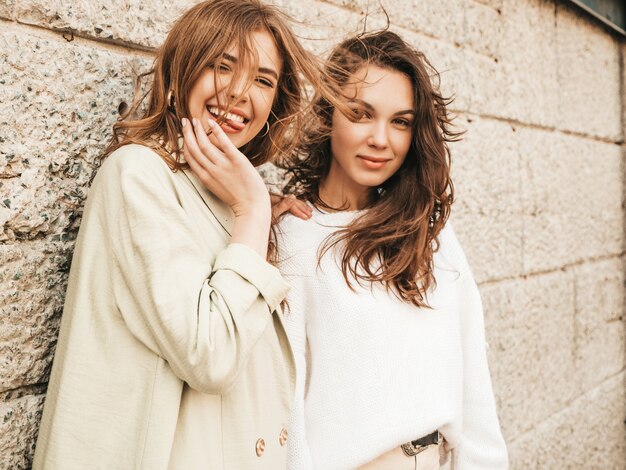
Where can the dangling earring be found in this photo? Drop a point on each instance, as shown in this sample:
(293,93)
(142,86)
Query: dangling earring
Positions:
(266,130)
(171,101)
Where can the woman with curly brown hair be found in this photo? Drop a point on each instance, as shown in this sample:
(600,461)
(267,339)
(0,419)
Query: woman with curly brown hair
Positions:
(384,316)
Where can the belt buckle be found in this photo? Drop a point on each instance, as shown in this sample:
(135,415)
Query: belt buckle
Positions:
(413,448)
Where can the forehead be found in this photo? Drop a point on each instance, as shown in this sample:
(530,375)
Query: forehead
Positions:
(382,88)
(264,46)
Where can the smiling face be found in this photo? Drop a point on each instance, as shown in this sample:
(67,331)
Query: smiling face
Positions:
(369,149)
(249,93)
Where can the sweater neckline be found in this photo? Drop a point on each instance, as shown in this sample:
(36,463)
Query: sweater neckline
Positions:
(336,217)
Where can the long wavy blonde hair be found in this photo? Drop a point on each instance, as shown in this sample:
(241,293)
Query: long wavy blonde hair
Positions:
(197,41)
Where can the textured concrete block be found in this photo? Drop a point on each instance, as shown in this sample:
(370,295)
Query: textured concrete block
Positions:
(6,9)
(588,434)
(137,22)
(33,280)
(442,19)
(523,84)
(530,331)
(55,119)
(488,212)
(483,29)
(588,75)
(320,26)
(19,424)
(572,193)
(599,327)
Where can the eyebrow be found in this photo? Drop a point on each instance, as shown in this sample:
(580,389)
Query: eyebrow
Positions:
(264,70)
(369,107)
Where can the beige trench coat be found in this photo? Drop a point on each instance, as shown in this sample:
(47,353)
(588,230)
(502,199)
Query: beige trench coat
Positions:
(171,354)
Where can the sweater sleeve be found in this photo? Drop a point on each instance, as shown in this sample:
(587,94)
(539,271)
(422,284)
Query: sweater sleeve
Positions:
(203,319)
(481,445)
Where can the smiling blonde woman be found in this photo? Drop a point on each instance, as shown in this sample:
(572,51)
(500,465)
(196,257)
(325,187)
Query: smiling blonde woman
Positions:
(172,353)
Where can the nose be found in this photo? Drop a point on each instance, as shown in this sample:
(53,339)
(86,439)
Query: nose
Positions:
(238,89)
(378,137)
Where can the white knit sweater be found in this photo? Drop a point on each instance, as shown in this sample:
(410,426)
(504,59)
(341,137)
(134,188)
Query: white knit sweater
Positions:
(375,372)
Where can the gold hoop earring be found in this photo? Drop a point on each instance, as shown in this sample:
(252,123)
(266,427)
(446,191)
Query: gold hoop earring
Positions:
(171,102)
(266,130)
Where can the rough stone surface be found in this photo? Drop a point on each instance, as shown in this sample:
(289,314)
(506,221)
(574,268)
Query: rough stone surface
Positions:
(587,434)
(589,76)
(487,214)
(530,332)
(572,195)
(55,120)
(599,326)
(6,9)
(142,23)
(540,181)
(19,423)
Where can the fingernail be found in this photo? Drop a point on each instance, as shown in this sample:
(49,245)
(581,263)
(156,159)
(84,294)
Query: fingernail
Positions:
(184,121)
(195,122)
(211,122)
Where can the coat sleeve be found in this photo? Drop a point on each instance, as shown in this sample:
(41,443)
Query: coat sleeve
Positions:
(481,445)
(203,319)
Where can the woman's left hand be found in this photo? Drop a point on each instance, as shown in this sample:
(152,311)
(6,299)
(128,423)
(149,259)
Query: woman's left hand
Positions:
(289,203)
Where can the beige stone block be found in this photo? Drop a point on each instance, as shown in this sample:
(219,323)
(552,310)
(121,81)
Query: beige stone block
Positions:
(588,76)
(623,96)
(496,4)
(320,26)
(442,19)
(55,120)
(138,22)
(483,28)
(572,195)
(33,280)
(19,424)
(588,434)
(530,331)
(523,84)
(599,328)
(487,215)
(6,9)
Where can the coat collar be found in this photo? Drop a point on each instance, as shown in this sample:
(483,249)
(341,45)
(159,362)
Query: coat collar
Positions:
(221,211)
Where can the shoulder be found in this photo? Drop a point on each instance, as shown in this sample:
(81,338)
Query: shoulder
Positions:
(134,158)
(450,254)
(133,164)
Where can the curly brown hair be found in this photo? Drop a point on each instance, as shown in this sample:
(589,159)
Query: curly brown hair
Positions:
(394,240)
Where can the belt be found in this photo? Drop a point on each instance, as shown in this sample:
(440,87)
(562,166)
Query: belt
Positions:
(415,447)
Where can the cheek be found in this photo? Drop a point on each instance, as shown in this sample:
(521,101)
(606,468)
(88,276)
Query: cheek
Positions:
(264,101)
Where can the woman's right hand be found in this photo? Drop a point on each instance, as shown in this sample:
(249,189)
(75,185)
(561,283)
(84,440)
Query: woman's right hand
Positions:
(228,174)
(223,169)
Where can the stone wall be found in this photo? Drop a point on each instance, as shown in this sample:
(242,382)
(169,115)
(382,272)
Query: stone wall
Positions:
(540,89)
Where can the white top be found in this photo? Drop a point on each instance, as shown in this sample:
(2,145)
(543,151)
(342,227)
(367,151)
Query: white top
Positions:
(374,372)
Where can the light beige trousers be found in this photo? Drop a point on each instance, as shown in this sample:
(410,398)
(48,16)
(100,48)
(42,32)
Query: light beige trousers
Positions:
(395,459)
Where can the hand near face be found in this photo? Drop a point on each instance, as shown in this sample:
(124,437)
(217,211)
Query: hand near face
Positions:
(223,169)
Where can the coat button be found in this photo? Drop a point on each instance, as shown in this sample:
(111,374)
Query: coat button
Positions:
(260,447)
(282,438)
